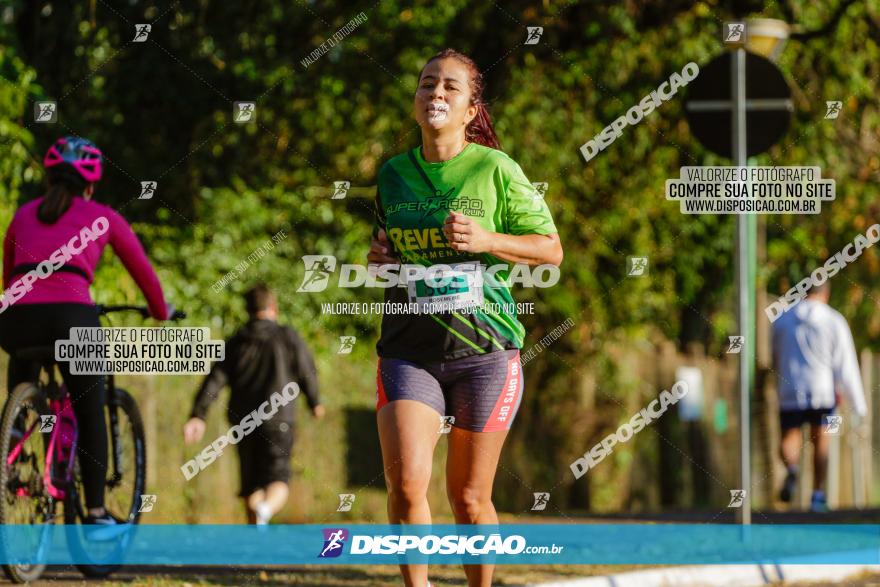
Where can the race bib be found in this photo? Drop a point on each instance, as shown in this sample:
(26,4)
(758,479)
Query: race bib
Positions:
(447,289)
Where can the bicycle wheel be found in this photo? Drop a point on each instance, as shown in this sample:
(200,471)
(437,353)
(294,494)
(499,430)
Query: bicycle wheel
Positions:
(127,471)
(126,476)
(24,498)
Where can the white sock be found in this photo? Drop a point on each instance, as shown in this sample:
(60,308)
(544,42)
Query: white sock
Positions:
(264,513)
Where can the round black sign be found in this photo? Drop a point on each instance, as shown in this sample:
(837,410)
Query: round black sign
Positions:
(708,105)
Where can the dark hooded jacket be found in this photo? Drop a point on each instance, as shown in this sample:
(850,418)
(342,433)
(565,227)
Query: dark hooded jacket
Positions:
(261,358)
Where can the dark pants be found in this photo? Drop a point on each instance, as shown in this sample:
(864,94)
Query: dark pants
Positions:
(30,325)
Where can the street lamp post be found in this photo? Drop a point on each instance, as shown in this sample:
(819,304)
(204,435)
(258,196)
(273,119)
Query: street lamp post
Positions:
(765,37)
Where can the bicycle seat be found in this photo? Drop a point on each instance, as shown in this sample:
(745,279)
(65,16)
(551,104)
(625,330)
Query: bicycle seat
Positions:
(42,354)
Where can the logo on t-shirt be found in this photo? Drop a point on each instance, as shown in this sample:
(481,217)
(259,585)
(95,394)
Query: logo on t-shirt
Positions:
(439,202)
(436,203)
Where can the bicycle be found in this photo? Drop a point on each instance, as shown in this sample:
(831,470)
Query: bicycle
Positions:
(29,495)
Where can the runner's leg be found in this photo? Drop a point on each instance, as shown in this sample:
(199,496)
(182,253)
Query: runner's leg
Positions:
(484,396)
(821,444)
(250,460)
(277,466)
(249,511)
(408,433)
(470,472)
(790,447)
(276,496)
(252,500)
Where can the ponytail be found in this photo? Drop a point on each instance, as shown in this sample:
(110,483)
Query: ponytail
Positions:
(480,129)
(63,187)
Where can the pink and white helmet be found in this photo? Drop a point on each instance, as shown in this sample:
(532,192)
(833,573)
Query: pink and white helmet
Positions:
(80,153)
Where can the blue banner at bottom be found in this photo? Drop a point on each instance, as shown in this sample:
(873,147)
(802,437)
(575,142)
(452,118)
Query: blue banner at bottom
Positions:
(519,544)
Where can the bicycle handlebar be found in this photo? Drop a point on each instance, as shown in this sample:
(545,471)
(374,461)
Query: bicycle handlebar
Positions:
(142,310)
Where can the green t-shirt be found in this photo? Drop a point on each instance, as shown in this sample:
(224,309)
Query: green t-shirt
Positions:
(413,199)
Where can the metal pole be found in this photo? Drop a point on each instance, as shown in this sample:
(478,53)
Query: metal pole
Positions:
(745,289)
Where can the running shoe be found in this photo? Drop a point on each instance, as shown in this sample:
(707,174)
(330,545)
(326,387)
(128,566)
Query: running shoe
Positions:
(819,503)
(105,527)
(264,513)
(788,487)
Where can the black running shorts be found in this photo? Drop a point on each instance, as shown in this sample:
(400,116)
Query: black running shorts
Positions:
(264,457)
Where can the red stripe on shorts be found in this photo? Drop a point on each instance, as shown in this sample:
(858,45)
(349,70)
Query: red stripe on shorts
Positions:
(381,398)
(503,412)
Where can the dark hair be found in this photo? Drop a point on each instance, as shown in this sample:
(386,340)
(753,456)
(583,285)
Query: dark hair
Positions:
(479,130)
(258,298)
(64,185)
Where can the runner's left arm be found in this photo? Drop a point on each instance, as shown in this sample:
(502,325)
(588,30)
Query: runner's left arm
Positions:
(528,235)
(532,249)
(304,367)
(845,367)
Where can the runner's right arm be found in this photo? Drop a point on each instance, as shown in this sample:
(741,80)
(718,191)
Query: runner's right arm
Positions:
(381,251)
(210,389)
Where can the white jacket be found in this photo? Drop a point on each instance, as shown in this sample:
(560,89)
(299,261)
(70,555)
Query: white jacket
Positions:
(814,355)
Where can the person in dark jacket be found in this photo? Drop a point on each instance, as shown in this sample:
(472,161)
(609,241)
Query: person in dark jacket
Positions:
(261,359)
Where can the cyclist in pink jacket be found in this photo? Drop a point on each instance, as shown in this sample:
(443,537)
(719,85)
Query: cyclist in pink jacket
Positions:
(50,252)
